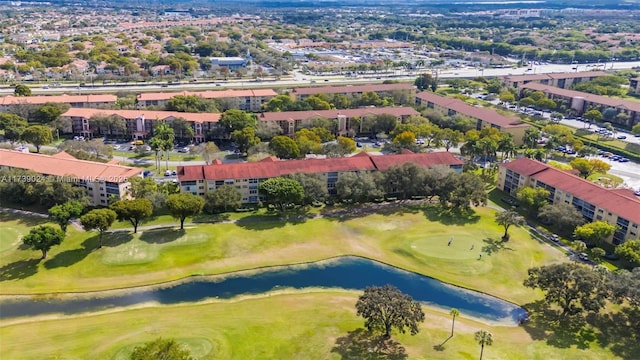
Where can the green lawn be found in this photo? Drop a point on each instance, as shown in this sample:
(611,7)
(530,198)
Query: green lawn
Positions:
(151,156)
(314,324)
(413,239)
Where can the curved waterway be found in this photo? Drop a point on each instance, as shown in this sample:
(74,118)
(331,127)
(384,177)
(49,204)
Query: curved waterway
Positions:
(346,272)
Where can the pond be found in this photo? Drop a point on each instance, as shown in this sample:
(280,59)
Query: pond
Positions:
(346,272)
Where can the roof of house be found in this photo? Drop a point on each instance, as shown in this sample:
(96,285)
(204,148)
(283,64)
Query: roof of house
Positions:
(65,166)
(271,167)
(566,75)
(146,114)
(220,94)
(334,113)
(64,98)
(351,88)
(484,114)
(598,99)
(611,200)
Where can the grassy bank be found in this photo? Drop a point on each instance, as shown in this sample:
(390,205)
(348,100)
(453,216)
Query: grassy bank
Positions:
(414,239)
(325,327)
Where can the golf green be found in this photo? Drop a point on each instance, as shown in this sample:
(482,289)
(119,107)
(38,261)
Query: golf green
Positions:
(462,246)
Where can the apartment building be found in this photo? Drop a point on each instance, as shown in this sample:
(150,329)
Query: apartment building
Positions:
(246,177)
(349,121)
(616,206)
(484,117)
(247,100)
(75,101)
(140,123)
(560,80)
(582,102)
(101,180)
(383,90)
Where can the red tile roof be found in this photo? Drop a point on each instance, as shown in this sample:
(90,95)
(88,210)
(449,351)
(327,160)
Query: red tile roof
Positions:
(64,166)
(539,77)
(604,100)
(147,114)
(230,93)
(334,113)
(610,200)
(484,114)
(269,169)
(351,88)
(65,99)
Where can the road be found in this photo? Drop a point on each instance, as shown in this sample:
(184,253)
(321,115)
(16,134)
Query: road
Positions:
(299,79)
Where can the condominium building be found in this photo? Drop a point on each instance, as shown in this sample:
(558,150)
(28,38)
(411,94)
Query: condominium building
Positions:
(101,180)
(619,207)
(246,177)
(349,121)
(561,80)
(484,117)
(383,90)
(139,123)
(247,100)
(75,101)
(582,102)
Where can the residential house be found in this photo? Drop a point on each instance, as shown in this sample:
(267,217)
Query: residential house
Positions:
(617,206)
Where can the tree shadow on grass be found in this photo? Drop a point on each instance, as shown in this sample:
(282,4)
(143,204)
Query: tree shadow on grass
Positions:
(20,269)
(619,331)
(26,220)
(70,257)
(273,220)
(448,216)
(210,218)
(162,236)
(361,344)
(558,331)
(494,245)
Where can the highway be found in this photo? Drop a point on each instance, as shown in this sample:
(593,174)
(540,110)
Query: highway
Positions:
(299,79)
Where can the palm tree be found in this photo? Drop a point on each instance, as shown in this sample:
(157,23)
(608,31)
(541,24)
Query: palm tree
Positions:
(454,312)
(483,338)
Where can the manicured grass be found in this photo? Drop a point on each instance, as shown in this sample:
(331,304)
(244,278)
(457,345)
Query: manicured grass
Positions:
(410,238)
(605,179)
(151,156)
(317,324)
(14,228)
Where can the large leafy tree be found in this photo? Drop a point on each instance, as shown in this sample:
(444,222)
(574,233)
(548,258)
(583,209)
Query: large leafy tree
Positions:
(595,232)
(404,180)
(629,251)
(284,147)
(281,192)
(43,238)
(161,349)
(208,151)
(508,218)
(426,82)
(133,210)
(182,128)
(222,198)
(484,338)
(245,139)
(22,90)
(191,104)
(98,219)
(233,120)
(562,215)
(386,308)
(62,213)
(37,135)
(571,286)
(184,205)
(314,186)
(589,166)
(359,188)
(13,126)
(533,198)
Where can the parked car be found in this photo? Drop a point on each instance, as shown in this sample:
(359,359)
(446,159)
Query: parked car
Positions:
(511,201)
(621,137)
(167,173)
(583,257)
